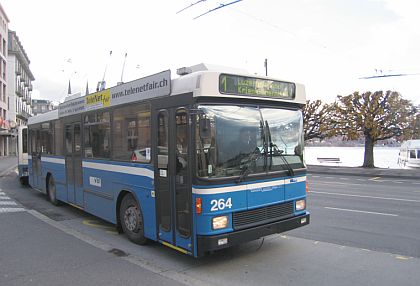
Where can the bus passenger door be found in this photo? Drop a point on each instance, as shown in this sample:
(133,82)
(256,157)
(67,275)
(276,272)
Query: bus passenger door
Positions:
(36,158)
(74,164)
(173,182)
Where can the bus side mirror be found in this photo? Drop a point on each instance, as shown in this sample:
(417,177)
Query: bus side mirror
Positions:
(205,131)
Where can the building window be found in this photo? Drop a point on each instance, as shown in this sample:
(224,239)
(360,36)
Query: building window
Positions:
(4,69)
(4,47)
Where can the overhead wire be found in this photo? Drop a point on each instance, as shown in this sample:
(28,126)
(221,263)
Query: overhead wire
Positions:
(191,5)
(221,5)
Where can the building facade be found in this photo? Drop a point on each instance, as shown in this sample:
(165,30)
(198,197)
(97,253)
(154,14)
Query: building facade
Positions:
(4,100)
(41,106)
(19,81)
(19,88)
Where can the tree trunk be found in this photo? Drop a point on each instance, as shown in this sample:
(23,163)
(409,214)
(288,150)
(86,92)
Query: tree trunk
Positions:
(368,161)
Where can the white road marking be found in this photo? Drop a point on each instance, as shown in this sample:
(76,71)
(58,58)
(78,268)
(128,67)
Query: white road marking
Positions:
(337,183)
(402,257)
(365,180)
(363,196)
(7,203)
(359,211)
(11,210)
(346,179)
(375,179)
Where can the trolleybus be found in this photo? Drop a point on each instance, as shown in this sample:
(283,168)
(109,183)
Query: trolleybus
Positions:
(201,162)
(23,154)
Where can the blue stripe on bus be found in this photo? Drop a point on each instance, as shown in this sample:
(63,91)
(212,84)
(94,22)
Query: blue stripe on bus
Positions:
(102,200)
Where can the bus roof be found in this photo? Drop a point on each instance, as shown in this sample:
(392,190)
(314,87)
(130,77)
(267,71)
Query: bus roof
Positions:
(50,115)
(208,82)
(200,80)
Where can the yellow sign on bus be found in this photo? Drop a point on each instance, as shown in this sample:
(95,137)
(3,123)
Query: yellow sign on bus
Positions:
(98,99)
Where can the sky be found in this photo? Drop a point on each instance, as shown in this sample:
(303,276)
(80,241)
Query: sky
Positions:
(327,45)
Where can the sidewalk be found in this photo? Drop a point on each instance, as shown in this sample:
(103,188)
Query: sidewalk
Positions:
(368,172)
(33,252)
(7,163)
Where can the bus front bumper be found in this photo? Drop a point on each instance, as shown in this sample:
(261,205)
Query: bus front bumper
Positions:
(210,243)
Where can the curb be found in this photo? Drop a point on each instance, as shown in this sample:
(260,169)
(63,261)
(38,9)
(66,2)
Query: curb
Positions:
(365,172)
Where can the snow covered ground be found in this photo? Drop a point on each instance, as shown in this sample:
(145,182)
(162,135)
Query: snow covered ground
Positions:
(385,157)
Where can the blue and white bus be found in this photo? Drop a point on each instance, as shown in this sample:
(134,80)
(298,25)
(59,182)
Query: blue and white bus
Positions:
(199,163)
(22,148)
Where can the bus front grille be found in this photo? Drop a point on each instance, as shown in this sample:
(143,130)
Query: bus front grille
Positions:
(254,217)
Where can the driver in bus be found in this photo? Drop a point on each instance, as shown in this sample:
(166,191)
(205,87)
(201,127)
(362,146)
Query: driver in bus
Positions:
(245,143)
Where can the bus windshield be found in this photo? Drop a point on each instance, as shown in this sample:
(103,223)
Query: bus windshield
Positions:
(232,140)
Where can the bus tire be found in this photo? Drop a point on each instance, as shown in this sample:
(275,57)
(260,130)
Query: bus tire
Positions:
(131,220)
(24,181)
(51,191)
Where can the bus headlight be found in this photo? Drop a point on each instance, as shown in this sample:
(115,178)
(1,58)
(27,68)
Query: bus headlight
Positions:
(300,205)
(220,222)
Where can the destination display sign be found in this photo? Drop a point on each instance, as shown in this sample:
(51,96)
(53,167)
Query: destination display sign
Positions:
(144,88)
(242,85)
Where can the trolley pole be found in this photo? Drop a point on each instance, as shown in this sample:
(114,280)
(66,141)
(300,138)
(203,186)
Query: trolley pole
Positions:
(266,67)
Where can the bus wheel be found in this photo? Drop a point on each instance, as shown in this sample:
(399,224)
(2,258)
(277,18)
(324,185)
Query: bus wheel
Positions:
(131,220)
(24,181)
(52,194)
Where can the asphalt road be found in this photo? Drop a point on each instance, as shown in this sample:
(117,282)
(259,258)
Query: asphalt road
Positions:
(352,240)
(373,213)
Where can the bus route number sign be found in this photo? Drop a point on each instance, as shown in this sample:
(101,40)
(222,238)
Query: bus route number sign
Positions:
(241,85)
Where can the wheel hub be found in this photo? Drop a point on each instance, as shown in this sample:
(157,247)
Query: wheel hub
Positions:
(130,218)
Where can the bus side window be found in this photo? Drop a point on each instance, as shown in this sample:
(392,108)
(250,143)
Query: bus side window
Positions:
(58,137)
(97,135)
(163,141)
(131,133)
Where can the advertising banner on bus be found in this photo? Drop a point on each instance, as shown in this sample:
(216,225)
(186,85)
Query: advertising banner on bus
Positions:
(144,88)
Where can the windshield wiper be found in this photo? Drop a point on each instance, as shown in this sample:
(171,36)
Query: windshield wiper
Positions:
(252,158)
(277,151)
(265,143)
